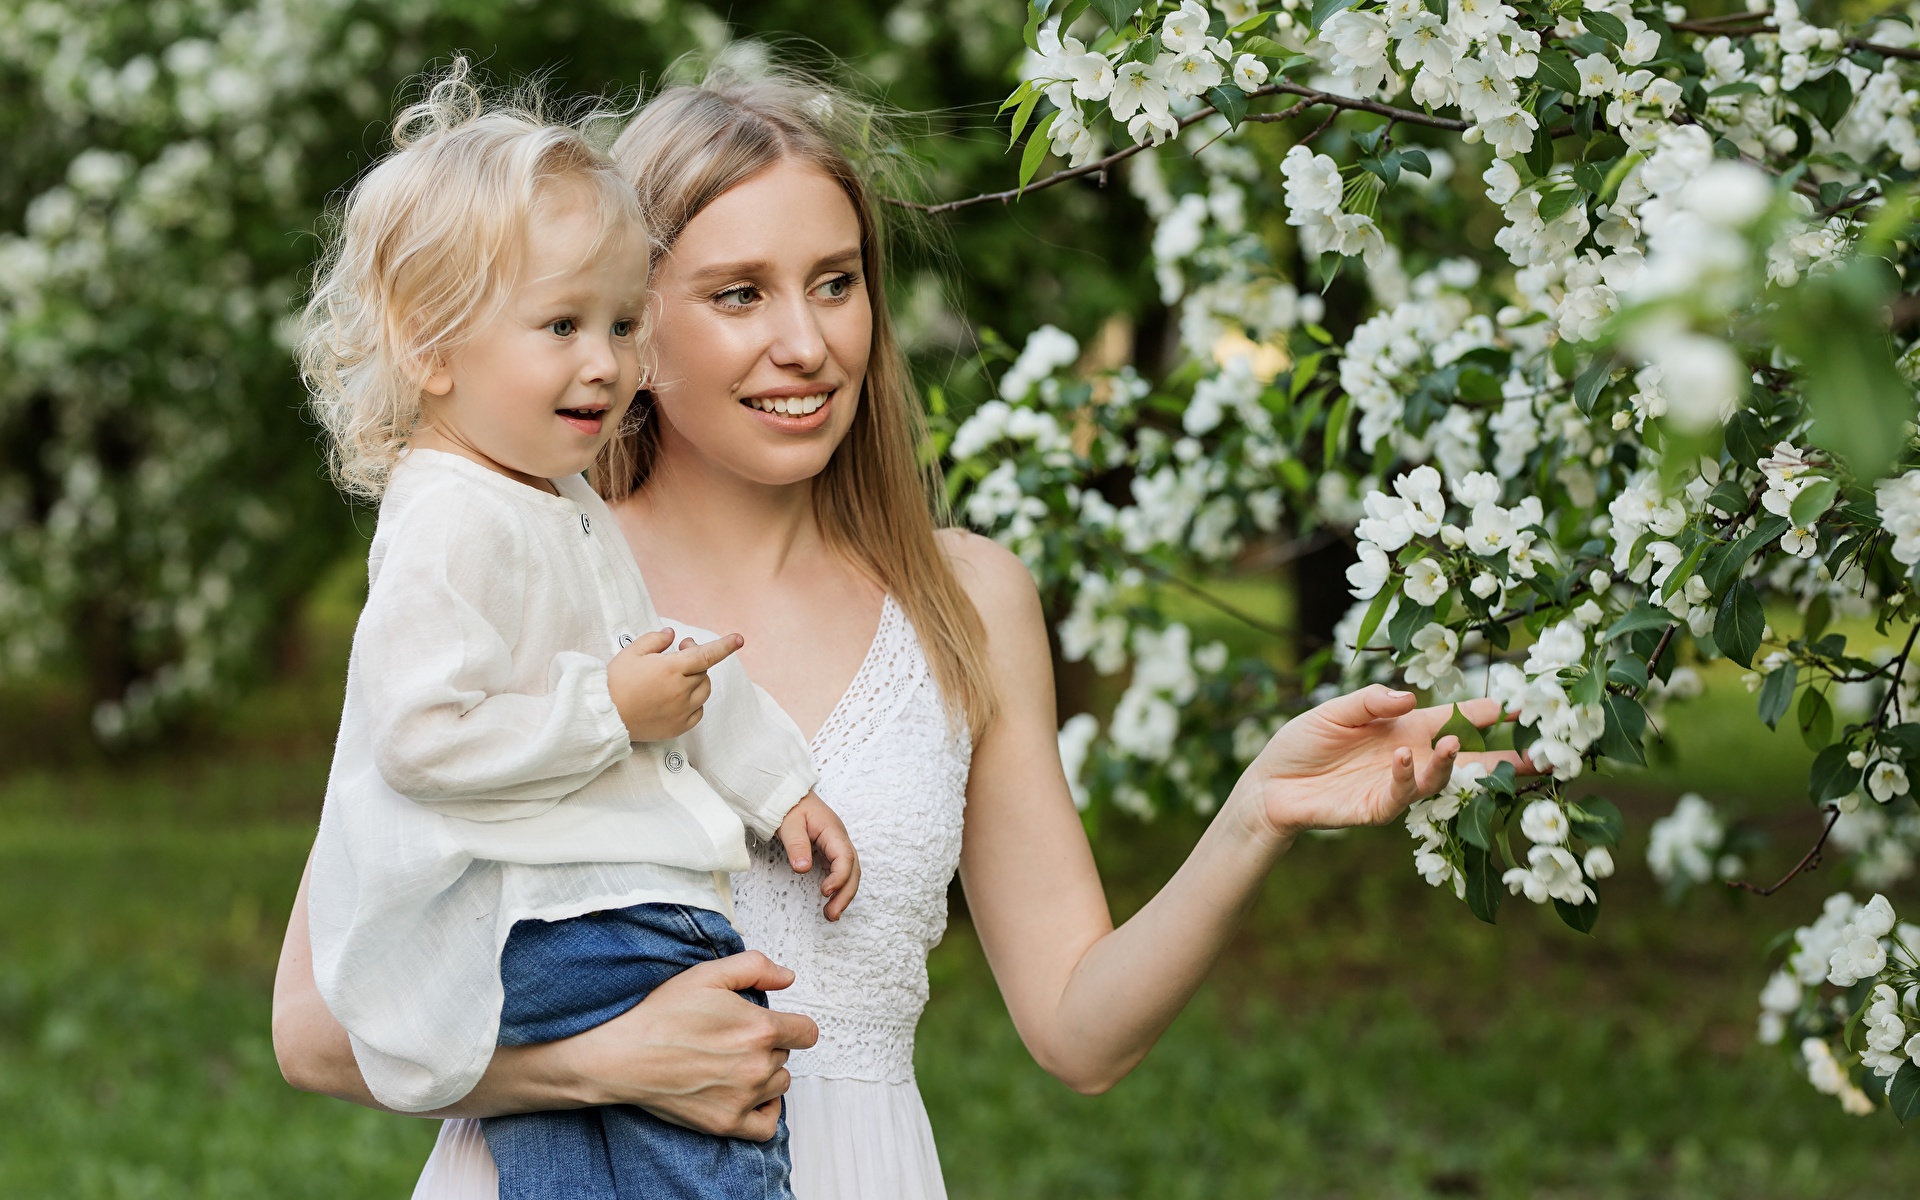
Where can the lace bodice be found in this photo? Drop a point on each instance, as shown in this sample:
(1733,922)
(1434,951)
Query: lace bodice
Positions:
(895,770)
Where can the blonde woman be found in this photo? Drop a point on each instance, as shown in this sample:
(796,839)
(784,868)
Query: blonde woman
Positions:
(773,490)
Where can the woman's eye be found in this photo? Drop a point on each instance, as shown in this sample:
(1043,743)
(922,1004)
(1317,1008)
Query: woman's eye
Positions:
(739,297)
(836,288)
(564,327)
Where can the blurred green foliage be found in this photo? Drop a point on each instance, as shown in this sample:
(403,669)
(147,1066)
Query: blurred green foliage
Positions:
(1357,1039)
(163,165)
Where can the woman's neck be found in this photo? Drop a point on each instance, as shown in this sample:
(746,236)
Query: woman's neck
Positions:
(692,518)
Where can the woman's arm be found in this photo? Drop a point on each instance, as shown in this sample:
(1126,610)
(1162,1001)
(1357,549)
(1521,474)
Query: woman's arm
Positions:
(693,1052)
(1090,1000)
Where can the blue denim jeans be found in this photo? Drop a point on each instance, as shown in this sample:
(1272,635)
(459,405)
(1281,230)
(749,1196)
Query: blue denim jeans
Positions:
(565,977)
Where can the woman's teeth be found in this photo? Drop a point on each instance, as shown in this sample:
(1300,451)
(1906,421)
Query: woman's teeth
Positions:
(790,406)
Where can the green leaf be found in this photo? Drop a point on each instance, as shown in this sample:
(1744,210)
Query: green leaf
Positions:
(1813,502)
(1746,440)
(1831,777)
(1416,161)
(1484,889)
(1411,619)
(1552,205)
(1579,917)
(1588,688)
(1116,13)
(1903,1093)
(1265,47)
(1815,718)
(1469,734)
(1019,94)
(1640,616)
(1375,612)
(1022,115)
(1477,816)
(1729,497)
(1036,152)
(1627,671)
(1036,13)
(1726,562)
(1229,102)
(1819,612)
(1556,69)
(1903,740)
(1746,87)
(1737,627)
(1597,820)
(1324,9)
(1776,694)
(1626,724)
(1825,99)
(1606,25)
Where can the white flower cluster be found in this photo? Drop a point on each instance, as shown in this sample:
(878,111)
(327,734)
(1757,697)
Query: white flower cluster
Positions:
(1140,94)
(1430,823)
(1849,944)
(1552,872)
(1686,846)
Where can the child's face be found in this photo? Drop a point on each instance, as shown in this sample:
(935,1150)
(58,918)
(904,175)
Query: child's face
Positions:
(542,384)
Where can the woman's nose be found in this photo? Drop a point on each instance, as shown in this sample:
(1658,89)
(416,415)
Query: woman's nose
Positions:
(797,342)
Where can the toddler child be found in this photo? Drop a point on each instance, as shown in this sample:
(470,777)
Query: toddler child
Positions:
(534,800)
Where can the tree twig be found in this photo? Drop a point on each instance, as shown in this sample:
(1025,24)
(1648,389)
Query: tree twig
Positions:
(1750,24)
(1898,665)
(1206,597)
(1810,861)
(1311,99)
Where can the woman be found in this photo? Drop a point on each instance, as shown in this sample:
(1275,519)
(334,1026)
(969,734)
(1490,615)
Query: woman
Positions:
(773,491)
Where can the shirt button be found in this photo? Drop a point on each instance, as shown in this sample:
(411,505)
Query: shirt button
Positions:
(586,526)
(674,761)
(626,639)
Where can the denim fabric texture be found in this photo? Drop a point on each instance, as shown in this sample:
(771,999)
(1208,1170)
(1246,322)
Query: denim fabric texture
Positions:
(565,977)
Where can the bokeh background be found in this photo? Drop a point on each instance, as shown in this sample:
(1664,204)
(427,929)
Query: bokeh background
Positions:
(178,584)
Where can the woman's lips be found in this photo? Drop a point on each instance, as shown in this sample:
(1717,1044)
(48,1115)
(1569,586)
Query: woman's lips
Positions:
(791,414)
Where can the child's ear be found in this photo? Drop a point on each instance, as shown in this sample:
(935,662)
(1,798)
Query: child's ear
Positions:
(438,382)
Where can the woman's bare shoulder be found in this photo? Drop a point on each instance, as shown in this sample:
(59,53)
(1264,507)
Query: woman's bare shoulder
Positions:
(994,578)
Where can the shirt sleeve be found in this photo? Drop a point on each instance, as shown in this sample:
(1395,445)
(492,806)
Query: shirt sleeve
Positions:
(435,649)
(749,751)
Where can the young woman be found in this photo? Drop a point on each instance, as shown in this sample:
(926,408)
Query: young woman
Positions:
(773,491)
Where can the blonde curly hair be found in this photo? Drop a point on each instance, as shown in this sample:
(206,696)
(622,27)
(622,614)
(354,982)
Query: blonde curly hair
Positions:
(425,247)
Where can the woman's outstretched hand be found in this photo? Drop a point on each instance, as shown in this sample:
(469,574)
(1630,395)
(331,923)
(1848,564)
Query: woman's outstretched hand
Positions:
(1361,759)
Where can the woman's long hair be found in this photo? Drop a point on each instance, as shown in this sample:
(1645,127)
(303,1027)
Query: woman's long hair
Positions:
(876,500)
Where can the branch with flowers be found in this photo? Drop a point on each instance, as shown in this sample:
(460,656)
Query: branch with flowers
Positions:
(1619,390)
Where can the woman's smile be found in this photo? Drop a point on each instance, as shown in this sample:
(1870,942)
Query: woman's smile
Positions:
(797,408)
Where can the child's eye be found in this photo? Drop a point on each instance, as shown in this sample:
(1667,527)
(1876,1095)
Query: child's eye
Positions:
(564,327)
(837,288)
(624,328)
(738,297)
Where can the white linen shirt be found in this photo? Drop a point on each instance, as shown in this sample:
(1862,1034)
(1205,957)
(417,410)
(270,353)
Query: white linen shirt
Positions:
(483,776)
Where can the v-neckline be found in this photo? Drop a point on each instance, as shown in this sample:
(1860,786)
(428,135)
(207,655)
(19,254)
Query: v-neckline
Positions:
(867,665)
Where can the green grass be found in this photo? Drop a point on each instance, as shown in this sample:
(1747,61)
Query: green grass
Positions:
(1363,1037)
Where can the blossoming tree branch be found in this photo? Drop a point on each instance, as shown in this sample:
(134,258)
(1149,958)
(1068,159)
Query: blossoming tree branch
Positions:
(1639,400)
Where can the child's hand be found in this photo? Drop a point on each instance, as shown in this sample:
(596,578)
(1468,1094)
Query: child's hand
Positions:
(811,823)
(660,695)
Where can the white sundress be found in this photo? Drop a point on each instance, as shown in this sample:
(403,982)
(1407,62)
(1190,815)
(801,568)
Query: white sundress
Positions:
(895,769)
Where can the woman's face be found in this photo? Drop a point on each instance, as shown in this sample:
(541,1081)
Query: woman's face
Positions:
(763,328)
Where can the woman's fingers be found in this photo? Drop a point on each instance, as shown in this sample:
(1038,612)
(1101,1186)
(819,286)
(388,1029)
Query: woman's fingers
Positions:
(1366,705)
(1522,765)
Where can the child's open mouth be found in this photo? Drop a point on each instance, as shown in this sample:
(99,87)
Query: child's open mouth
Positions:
(586,420)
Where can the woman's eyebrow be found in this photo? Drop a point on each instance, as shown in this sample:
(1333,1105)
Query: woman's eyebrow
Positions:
(753,267)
